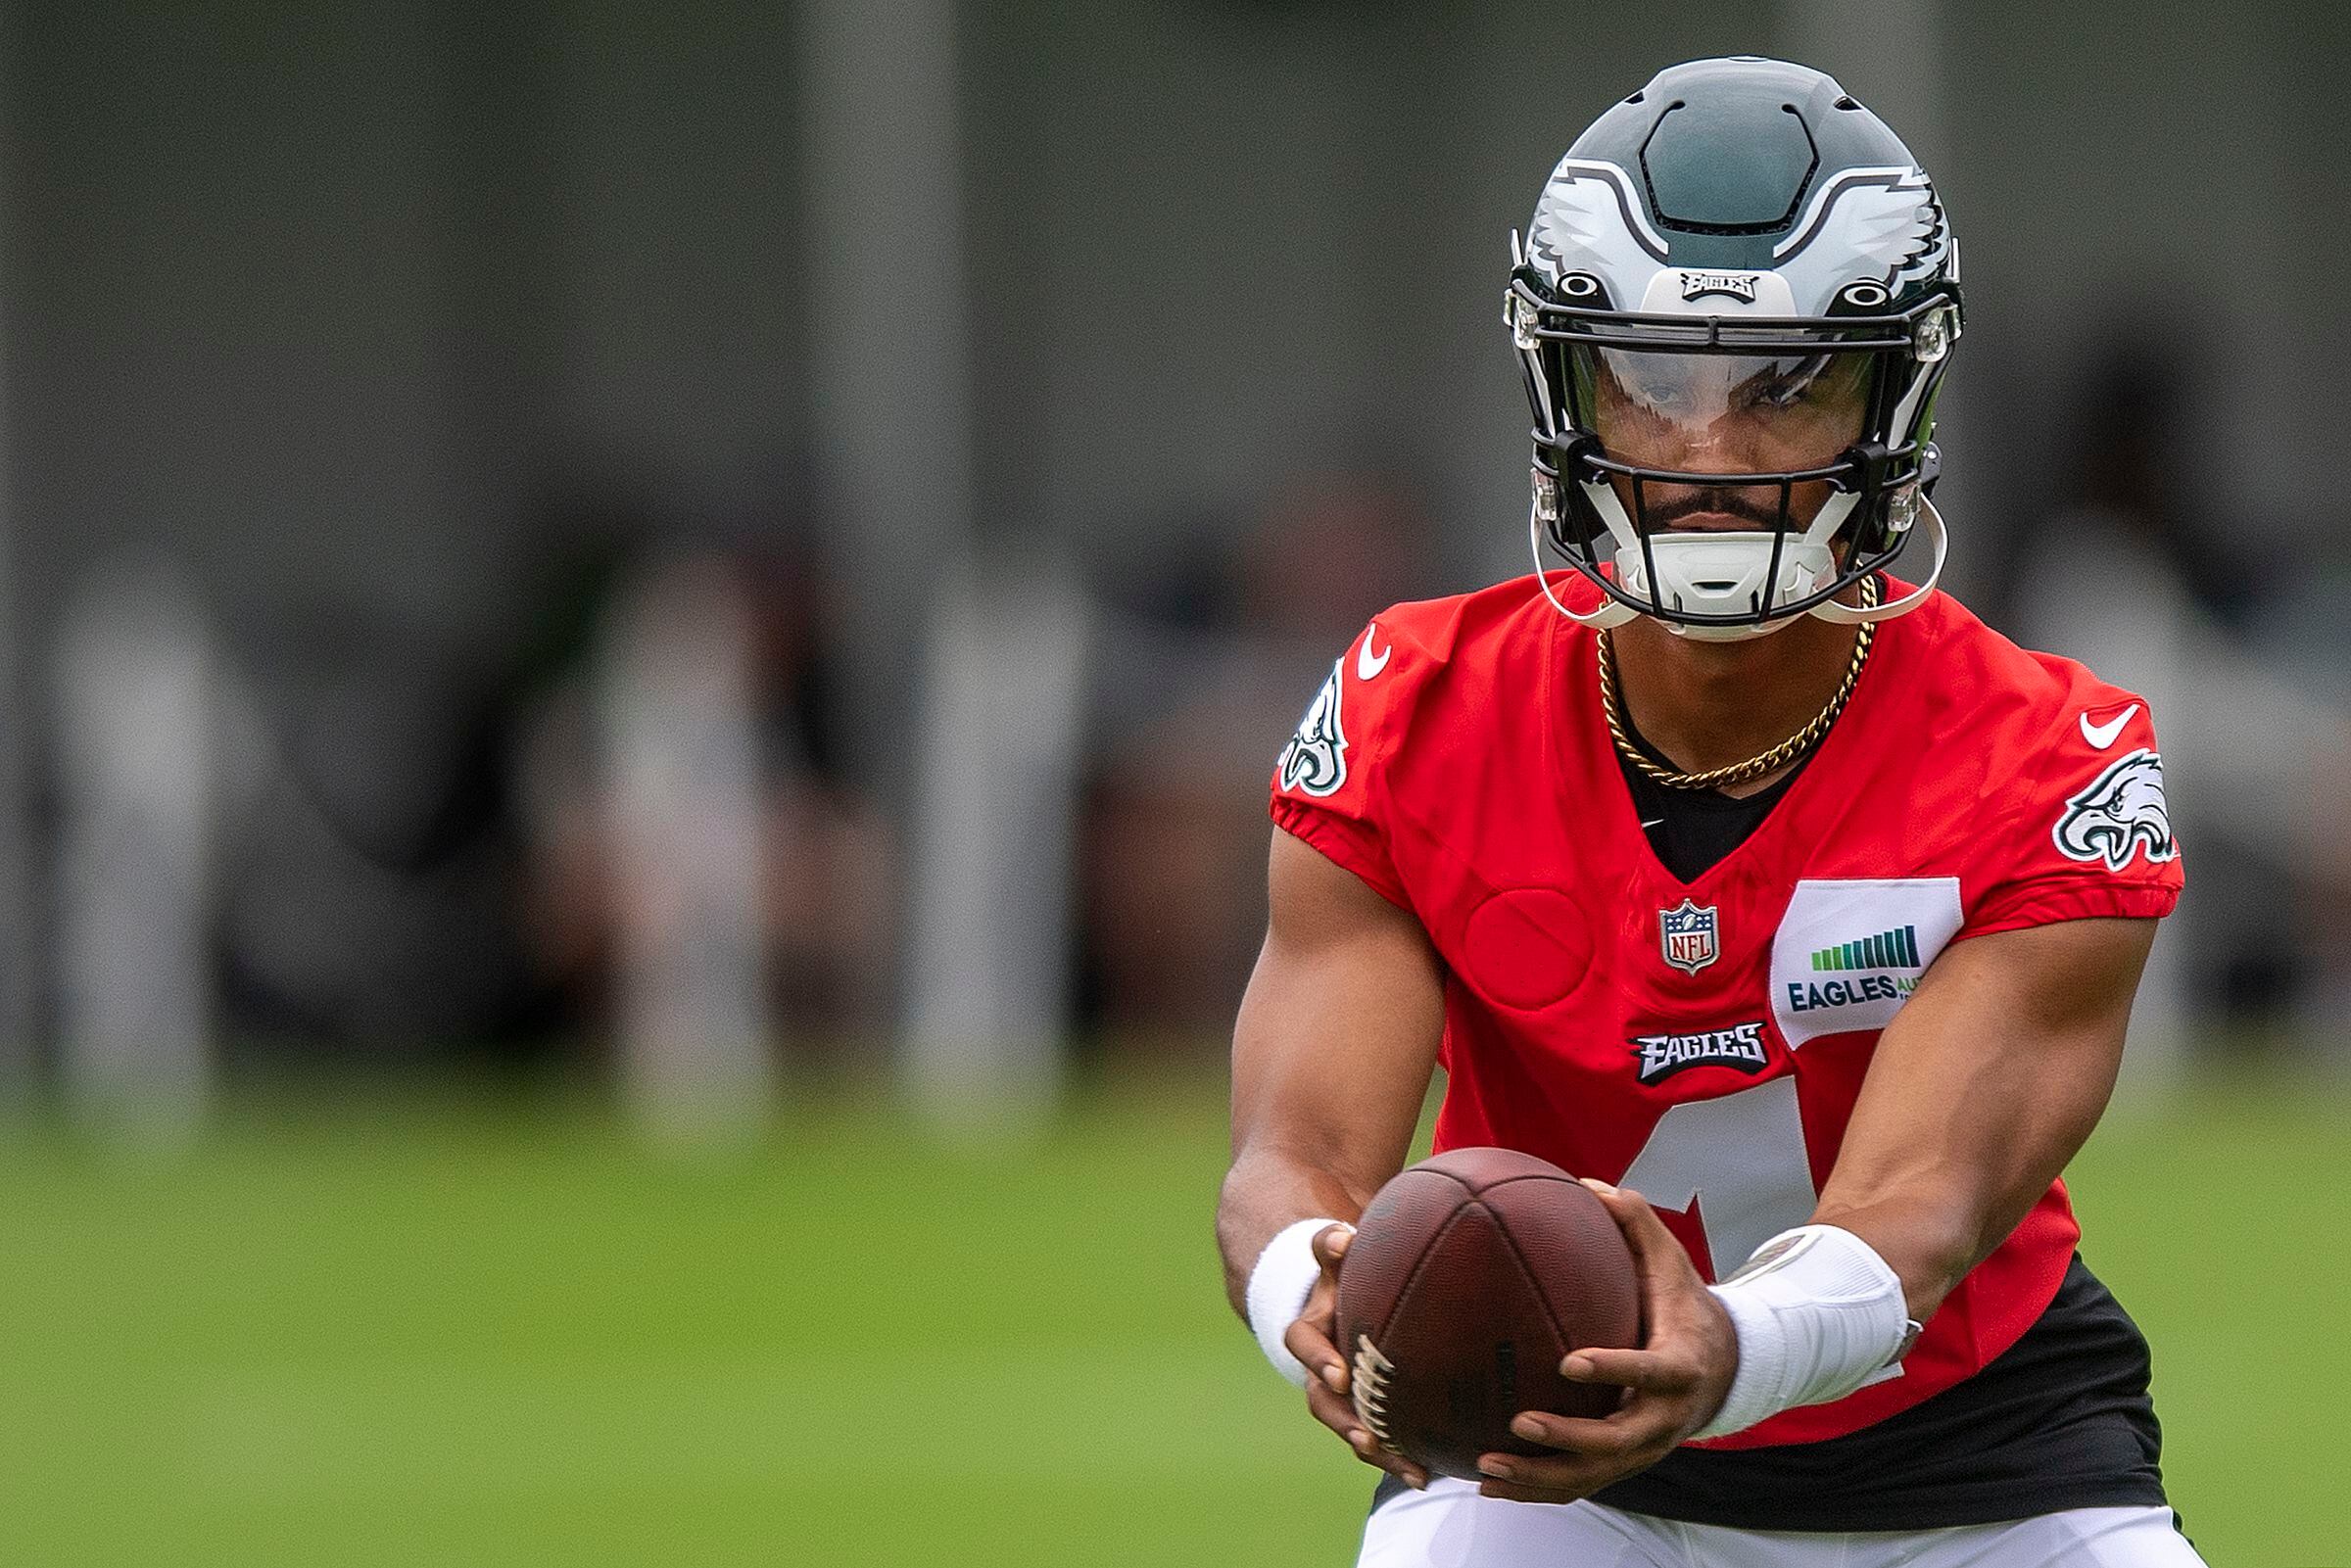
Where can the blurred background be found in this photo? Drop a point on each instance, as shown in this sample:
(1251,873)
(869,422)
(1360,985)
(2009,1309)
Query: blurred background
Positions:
(639,648)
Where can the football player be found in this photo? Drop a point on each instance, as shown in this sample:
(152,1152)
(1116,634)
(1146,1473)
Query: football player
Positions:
(1782,899)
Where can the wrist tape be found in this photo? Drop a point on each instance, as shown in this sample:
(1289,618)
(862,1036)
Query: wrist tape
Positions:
(1283,1277)
(1817,1312)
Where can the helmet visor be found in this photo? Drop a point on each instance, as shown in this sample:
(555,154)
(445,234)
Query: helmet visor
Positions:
(1721,413)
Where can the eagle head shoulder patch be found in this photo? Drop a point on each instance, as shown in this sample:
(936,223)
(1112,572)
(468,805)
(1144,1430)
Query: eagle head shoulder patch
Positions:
(2119,815)
(1315,762)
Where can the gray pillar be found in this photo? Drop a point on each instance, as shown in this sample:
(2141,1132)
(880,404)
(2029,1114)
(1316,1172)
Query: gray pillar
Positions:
(988,943)
(136,716)
(889,334)
(20,969)
(936,690)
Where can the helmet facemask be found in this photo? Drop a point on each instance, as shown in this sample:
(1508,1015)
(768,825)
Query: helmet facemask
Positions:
(1727,473)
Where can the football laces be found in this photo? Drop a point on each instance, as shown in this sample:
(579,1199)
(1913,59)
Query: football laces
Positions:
(1369,1390)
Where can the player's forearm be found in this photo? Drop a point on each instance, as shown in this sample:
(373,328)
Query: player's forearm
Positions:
(1935,1191)
(1264,1193)
(1982,1090)
(1927,1243)
(1332,1055)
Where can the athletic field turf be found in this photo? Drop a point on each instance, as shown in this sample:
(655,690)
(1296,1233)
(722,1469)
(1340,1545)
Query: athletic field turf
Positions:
(377,1334)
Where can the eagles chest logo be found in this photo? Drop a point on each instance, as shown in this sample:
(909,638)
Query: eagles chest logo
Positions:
(2120,815)
(1315,762)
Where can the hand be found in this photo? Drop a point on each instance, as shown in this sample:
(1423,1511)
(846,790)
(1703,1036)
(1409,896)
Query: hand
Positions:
(1310,1339)
(1675,1383)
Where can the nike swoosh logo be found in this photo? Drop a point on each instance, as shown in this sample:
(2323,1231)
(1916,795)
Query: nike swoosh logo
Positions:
(1658,822)
(1366,666)
(2102,736)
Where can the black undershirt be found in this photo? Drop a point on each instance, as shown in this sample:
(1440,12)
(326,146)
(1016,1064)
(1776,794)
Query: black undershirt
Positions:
(2061,1419)
(1693,828)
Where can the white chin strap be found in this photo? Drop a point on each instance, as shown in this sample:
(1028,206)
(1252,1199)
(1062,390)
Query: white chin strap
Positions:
(1724,573)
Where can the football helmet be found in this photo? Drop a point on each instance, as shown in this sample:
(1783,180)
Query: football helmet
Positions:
(1734,306)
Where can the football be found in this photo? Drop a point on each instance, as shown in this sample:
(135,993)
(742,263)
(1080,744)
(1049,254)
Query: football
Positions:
(1471,1276)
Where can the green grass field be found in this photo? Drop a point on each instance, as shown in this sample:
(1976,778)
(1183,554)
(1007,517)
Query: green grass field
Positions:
(373,1336)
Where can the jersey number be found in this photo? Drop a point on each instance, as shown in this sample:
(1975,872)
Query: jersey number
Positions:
(1743,1156)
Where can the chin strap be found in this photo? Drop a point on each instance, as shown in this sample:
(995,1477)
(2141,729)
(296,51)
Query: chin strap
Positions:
(1615,612)
(1612,612)
(1854,614)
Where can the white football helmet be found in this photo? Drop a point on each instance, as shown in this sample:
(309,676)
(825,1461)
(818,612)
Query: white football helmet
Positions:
(1735,305)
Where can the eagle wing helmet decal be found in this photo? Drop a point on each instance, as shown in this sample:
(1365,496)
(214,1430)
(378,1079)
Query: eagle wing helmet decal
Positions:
(2121,813)
(1589,221)
(1884,218)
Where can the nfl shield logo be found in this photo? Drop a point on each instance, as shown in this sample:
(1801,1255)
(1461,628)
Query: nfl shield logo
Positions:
(1688,937)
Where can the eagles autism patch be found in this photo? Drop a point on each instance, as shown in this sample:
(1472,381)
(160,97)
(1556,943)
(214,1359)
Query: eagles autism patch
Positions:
(1850,952)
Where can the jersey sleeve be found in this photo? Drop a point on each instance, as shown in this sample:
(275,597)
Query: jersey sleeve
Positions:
(1329,785)
(2091,834)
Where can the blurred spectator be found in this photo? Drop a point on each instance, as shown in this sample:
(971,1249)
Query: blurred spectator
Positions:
(827,860)
(1199,687)
(2152,584)
(417,857)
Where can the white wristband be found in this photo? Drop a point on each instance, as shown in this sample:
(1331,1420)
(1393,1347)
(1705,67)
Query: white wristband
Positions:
(1817,1313)
(1283,1277)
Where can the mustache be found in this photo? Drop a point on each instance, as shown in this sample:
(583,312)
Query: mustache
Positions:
(1735,501)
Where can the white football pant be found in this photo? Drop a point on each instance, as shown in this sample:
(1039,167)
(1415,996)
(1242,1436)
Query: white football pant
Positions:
(1450,1526)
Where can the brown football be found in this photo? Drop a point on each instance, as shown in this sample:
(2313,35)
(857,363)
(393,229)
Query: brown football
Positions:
(1471,1276)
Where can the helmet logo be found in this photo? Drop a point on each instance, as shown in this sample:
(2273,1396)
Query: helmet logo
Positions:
(1738,285)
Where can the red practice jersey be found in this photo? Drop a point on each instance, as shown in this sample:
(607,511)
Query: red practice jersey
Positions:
(1705,1042)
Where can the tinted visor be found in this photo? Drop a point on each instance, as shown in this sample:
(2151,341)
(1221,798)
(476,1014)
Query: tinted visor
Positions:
(1721,413)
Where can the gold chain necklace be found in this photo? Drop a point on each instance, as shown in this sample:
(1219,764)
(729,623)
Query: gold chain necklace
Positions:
(1779,756)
